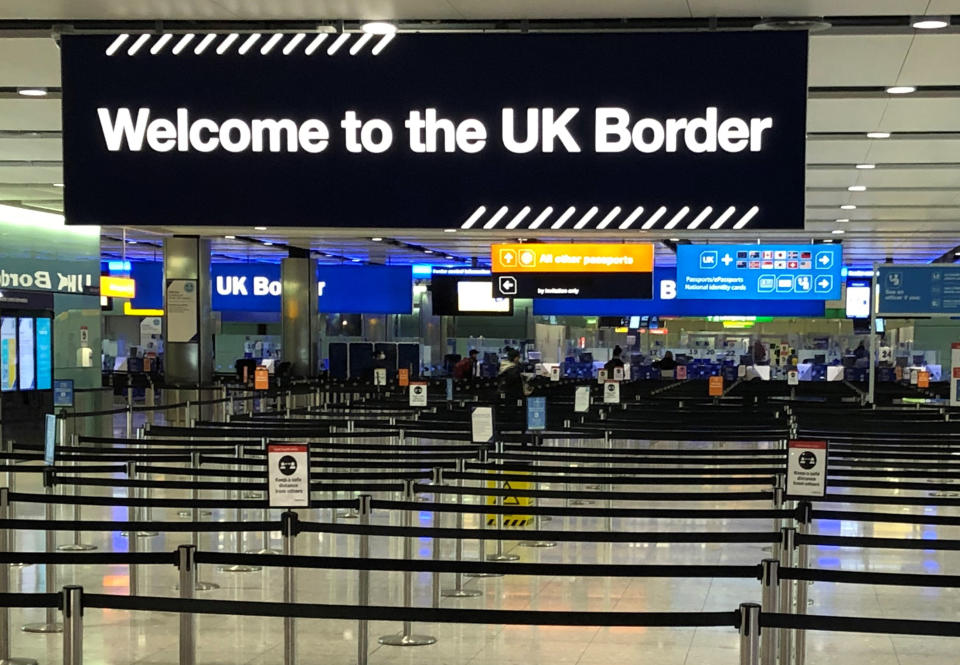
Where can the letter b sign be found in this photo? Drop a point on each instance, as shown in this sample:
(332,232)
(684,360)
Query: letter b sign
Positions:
(668,289)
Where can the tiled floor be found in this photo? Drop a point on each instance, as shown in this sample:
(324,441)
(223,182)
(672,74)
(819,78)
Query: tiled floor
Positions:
(124,638)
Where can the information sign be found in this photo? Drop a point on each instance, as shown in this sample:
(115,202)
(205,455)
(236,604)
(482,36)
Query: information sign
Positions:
(380,376)
(681,372)
(63,393)
(49,439)
(555,373)
(601,375)
(288,475)
(715,386)
(449,385)
(618,374)
(481,424)
(793,377)
(955,374)
(923,379)
(611,392)
(807,468)
(581,399)
(403,378)
(261,379)
(536,413)
(918,290)
(181,305)
(418,394)
(762,272)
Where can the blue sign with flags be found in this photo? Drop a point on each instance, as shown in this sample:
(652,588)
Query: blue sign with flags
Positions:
(536,413)
(925,290)
(759,272)
(63,393)
(665,303)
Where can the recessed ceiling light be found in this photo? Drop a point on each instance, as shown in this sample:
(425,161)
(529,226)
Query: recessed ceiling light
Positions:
(267,243)
(230,237)
(878,135)
(843,220)
(355,260)
(379,28)
(32,91)
(930,22)
(857,188)
(866,166)
(376,239)
(259,228)
(428,251)
(901,89)
(848,206)
(58,184)
(674,239)
(131,242)
(838,232)
(448,258)
(449,230)
(828,240)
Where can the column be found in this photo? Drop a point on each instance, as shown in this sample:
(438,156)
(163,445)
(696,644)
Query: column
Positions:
(187,323)
(299,314)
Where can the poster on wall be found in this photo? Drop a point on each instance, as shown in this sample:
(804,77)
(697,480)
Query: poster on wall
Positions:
(26,354)
(181,306)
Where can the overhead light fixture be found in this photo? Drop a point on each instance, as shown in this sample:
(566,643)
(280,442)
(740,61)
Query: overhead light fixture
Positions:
(838,232)
(674,239)
(842,221)
(449,230)
(379,28)
(448,258)
(428,251)
(267,242)
(848,206)
(229,237)
(930,22)
(259,228)
(857,188)
(901,89)
(32,91)
(878,135)
(58,184)
(828,240)
(376,239)
(131,242)
(866,166)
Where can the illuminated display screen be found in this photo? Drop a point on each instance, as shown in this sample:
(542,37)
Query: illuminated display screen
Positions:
(44,354)
(26,351)
(8,353)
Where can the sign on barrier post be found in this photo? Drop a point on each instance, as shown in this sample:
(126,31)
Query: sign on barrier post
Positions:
(481,424)
(261,379)
(403,378)
(511,520)
(601,375)
(288,474)
(449,386)
(63,393)
(611,392)
(793,377)
(380,376)
(618,374)
(555,373)
(581,399)
(923,379)
(955,374)
(418,394)
(49,439)
(681,372)
(806,468)
(536,413)
(715,386)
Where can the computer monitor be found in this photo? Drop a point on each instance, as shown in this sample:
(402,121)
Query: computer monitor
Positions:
(534,356)
(820,359)
(746,359)
(919,359)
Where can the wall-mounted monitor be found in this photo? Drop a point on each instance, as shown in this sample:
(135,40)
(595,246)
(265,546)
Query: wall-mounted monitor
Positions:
(858,300)
(8,353)
(27,353)
(467,295)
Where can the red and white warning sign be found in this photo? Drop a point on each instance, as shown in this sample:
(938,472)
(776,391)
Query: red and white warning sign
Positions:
(806,468)
(288,475)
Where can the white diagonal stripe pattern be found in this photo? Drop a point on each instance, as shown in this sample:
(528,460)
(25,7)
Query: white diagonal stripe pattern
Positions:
(293,43)
(266,48)
(140,41)
(722,219)
(116,44)
(519,217)
(676,218)
(338,42)
(315,44)
(541,218)
(612,215)
(274,40)
(472,219)
(590,214)
(631,218)
(746,218)
(204,43)
(654,218)
(182,44)
(227,42)
(698,220)
(382,44)
(562,219)
(158,46)
(497,216)
(360,43)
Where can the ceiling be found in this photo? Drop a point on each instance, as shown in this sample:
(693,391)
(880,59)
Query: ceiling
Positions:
(910,211)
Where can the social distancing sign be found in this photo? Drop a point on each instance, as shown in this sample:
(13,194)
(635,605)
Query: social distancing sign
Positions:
(512,520)
(288,475)
(611,392)
(418,394)
(806,468)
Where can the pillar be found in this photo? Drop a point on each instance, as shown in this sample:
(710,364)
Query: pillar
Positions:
(187,322)
(301,322)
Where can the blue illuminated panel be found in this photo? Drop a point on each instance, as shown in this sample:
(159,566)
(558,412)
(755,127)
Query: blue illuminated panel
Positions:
(918,290)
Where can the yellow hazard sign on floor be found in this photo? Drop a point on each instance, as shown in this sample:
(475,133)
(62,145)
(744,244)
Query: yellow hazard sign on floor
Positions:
(511,520)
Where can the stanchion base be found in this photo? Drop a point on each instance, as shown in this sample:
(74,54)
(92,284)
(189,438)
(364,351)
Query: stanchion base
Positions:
(253,495)
(454,593)
(582,502)
(72,547)
(239,569)
(43,628)
(266,550)
(18,661)
(140,534)
(198,586)
(189,513)
(407,640)
(349,515)
(591,487)
(540,543)
(502,557)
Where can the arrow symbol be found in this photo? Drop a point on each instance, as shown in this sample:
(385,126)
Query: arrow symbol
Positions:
(824,283)
(824,259)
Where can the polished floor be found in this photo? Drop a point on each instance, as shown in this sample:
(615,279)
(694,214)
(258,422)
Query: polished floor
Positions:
(125,638)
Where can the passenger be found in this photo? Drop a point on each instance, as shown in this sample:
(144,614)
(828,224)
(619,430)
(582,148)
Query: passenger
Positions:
(860,352)
(509,378)
(614,362)
(667,362)
(467,366)
(759,352)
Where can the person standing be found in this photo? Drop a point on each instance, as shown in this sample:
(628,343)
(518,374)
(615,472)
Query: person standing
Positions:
(466,367)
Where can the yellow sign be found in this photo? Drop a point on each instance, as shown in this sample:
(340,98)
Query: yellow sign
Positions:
(117,287)
(403,378)
(130,311)
(511,520)
(716,386)
(923,379)
(572,257)
(261,379)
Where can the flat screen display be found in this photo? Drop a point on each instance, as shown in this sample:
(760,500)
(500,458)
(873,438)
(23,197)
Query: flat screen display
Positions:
(8,353)
(858,301)
(478,297)
(26,352)
(44,354)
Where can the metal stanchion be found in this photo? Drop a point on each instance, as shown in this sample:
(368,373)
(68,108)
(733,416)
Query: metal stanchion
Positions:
(363,581)
(238,541)
(195,514)
(406,638)
(289,529)
(129,413)
(770,579)
(777,505)
(800,635)
(458,591)
(482,544)
(499,555)
(264,514)
(538,518)
(72,608)
(5,658)
(50,572)
(188,623)
(749,634)
(76,545)
(786,592)
(435,545)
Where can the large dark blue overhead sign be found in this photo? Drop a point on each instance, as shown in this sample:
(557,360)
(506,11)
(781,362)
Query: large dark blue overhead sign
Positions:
(482,131)
(256,287)
(927,290)
(759,272)
(666,303)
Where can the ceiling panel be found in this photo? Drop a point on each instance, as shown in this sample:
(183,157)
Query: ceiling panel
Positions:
(842,60)
(922,115)
(837,152)
(29,62)
(806,7)
(844,115)
(932,60)
(30,149)
(29,114)
(883,197)
(942,150)
(570,9)
(33,174)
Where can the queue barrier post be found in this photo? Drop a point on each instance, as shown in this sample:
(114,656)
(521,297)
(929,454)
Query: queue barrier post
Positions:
(76,545)
(482,458)
(770,580)
(195,514)
(406,638)
(129,413)
(777,505)
(238,540)
(436,481)
(805,516)
(5,658)
(499,555)
(749,634)
(50,572)
(787,540)
(364,503)
(458,591)
(289,528)
(188,623)
(72,608)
